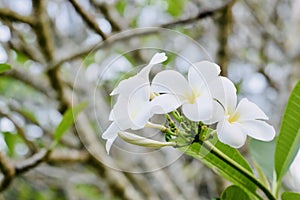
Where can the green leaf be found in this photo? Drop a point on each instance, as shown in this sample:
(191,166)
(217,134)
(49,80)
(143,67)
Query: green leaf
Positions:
(67,121)
(234,192)
(290,196)
(120,6)
(214,161)
(4,67)
(263,154)
(175,7)
(288,140)
(29,115)
(84,191)
(21,58)
(11,139)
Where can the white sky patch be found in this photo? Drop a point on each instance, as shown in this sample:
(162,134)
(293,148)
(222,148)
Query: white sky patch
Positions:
(3,55)
(113,67)
(92,72)
(22,7)
(104,25)
(256,84)
(151,16)
(4,33)
(3,146)
(62,20)
(21,149)
(92,38)
(6,125)
(33,131)
(54,116)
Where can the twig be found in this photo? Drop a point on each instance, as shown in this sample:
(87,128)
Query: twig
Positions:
(66,140)
(43,30)
(117,181)
(88,19)
(116,21)
(266,27)
(45,40)
(225,25)
(22,45)
(32,162)
(21,132)
(26,78)
(133,33)
(200,15)
(68,156)
(12,16)
(8,171)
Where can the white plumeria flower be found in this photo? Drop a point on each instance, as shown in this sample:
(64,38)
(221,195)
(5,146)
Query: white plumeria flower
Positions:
(133,108)
(240,120)
(194,95)
(295,172)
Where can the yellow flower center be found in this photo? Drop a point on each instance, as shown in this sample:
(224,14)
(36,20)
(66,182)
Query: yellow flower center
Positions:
(233,117)
(191,98)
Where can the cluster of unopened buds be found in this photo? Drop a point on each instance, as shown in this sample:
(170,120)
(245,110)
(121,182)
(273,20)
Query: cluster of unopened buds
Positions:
(190,106)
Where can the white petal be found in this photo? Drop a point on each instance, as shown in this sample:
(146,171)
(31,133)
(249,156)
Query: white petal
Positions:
(121,113)
(111,116)
(201,73)
(139,107)
(246,110)
(218,114)
(128,85)
(231,134)
(109,143)
(201,110)
(141,117)
(259,130)
(171,82)
(165,103)
(141,78)
(111,131)
(139,95)
(225,94)
(110,134)
(158,58)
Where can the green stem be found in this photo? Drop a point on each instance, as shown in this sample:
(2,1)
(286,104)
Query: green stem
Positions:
(233,164)
(176,115)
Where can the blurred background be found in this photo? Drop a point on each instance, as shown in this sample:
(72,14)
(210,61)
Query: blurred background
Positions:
(66,51)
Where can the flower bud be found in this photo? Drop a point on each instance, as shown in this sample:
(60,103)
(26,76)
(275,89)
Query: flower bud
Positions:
(142,141)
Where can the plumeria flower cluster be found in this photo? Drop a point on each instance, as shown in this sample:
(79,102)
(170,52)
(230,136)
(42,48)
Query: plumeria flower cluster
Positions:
(204,97)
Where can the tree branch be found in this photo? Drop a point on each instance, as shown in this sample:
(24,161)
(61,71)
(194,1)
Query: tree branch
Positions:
(43,30)
(88,19)
(225,25)
(12,16)
(200,15)
(21,132)
(8,171)
(32,162)
(34,82)
(68,156)
(116,21)
(134,33)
